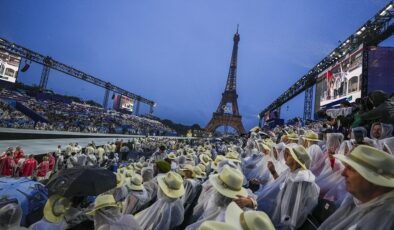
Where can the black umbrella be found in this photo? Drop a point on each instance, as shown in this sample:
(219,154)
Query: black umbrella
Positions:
(81,181)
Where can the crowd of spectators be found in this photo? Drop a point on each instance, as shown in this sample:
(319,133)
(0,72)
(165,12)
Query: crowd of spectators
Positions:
(76,117)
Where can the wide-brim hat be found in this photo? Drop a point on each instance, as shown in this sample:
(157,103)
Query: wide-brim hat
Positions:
(372,164)
(171,184)
(292,136)
(204,159)
(102,201)
(198,172)
(215,225)
(171,156)
(135,183)
(236,217)
(218,159)
(254,129)
(311,136)
(188,167)
(233,156)
(229,182)
(300,155)
(56,216)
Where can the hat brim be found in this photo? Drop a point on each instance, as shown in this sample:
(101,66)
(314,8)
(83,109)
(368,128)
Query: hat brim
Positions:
(95,209)
(136,187)
(235,160)
(172,193)
(48,212)
(296,159)
(310,139)
(217,184)
(366,173)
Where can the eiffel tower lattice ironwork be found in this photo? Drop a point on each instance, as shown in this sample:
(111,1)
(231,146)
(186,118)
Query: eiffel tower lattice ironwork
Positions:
(222,117)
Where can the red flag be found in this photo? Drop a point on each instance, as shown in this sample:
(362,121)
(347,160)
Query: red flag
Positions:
(329,75)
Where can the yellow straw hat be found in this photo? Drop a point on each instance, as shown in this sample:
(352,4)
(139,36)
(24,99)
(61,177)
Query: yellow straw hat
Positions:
(229,182)
(251,220)
(300,155)
(204,159)
(202,167)
(218,159)
(188,167)
(372,164)
(102,201)
(233,156)
(311,136)
(55,208)
(198,172)
(119,180)
(171,156)
(135,183)
(171,184)
(292,136)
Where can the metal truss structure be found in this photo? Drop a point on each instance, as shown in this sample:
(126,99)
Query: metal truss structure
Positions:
(377,29)
(49,63)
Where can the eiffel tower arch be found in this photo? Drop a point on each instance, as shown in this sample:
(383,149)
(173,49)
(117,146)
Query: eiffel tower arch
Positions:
(232,118)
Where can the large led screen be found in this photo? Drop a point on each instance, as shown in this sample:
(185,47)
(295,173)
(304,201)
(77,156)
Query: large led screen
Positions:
(9,66)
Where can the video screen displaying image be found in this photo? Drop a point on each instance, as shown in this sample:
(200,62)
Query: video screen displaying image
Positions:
(9,66)
(342,81)
(126,103)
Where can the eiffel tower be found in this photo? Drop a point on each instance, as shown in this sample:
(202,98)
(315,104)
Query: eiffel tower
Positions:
(223,116)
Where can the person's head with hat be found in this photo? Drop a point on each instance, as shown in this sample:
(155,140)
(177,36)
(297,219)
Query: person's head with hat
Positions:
(228,182)
(55,208)
(368,172)
(233,156)
(204,159)
(171,185)
(310,138)
(247,220)
(292,137)
(171,156)
(217,160)
(135,183)
(188,171)
(198,172)
(297,158)
(163,166)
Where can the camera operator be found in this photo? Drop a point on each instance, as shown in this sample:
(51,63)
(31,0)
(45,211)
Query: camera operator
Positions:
(382,111)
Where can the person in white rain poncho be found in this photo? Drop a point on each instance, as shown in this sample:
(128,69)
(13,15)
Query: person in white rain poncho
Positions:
(330,175)
(388,145)
(315,153)
(107,215)
(380,131)
(137,197)
(369,175)
(10,217)
(227,186)
(190,183)
(298,193)
(167,212)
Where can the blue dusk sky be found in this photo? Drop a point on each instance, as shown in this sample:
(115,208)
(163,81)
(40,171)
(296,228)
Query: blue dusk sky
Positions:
(177,52)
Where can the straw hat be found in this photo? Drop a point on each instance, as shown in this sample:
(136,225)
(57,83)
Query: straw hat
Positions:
(119,180)
(215,225)
(233,156)
(254,129)
(188,167)
(204,159)
(171,156)
(198,172)
(218,159)
(135,183)
(129,173)
(292,136)
(138,166)
(171,184)
(55,208)
(311,136)
(189,157)
(102,201)
(252,220)
(372,164)
(300,155)
(229,182)
(202,167)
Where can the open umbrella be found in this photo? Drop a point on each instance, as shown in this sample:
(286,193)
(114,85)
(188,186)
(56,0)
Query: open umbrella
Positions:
(81,181)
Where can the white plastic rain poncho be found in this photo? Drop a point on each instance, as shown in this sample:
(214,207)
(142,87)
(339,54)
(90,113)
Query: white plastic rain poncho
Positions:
(376,214)
(345,147)
(250,145)
(267,195)
(297,197)
(388,145)
(10,217)
(190,190)
(214,209)
(206,193)
(317,159)
(111,218)
(165,214)
(135,201)
(256,168)
(279,160)
(44,224)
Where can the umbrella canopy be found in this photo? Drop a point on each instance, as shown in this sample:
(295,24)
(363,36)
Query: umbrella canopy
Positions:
(81,181)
